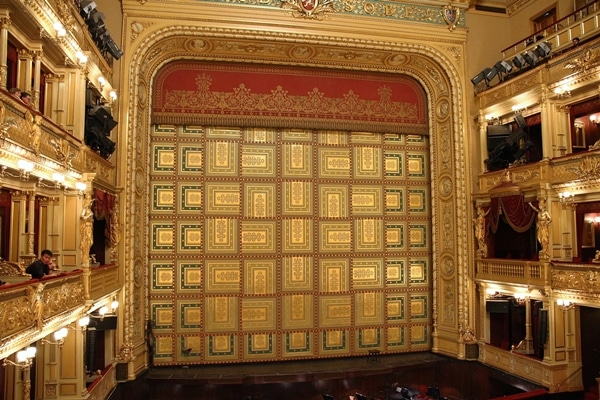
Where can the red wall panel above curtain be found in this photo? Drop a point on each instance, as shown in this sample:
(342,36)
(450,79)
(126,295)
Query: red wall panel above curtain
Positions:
(195,93)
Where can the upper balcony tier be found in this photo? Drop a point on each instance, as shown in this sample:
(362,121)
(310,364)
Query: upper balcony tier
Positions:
(35,308)
(546,57)
(29,140)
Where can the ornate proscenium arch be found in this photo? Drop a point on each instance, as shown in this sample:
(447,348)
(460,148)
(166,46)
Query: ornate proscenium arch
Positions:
(431,68)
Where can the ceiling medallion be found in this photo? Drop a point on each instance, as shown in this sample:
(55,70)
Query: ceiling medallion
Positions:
(451,15)
(314,9)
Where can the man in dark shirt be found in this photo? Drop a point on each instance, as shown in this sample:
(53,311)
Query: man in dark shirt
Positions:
(41,267)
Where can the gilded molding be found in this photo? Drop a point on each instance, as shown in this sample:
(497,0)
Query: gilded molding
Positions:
(138,27)
(588,168)
(515,6)
(430,14)
(59,298)
(578,281)
(311,9)
(17,315)
(435,70)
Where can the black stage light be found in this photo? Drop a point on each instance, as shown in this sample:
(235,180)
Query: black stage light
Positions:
(520,121)
(478,78)
(490,73)
(503,66)
(530,57)
(99,142)
(543,49)
(86,6)
(519,61)
(101,115)
(113,49)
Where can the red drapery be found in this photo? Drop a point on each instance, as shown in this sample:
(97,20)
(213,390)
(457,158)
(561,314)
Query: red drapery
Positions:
(517,213)
(508,200)
(103,206)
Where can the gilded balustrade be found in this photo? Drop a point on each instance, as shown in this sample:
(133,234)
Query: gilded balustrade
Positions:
(534,370)
(581,171)
(31,310)
(102,387)
(28,135)
(530,273)
(581,281)
(104,280)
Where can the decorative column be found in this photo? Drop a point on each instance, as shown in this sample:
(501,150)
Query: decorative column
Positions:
(25,70)
(35,95)
(4,24)
(31,225)
(543,228)
(482,123)
(481,232)
(528,342)
(115,232)
(86,231)
(79,101)
(560,138)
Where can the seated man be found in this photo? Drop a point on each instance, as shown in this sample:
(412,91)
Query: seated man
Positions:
(41,267)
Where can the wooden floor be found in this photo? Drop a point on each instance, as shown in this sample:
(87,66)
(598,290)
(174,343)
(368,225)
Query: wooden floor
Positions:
(294,371)
(310,379)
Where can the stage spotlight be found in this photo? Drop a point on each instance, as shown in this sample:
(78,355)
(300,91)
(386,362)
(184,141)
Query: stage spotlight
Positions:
(478,78)
(519,61)
(490,73)
(103,118)
(503,66)
(113,49)
(530,57)
(543,49)
(86,6)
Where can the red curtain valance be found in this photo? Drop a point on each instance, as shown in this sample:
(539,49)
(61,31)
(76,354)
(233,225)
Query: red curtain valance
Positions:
(199,93)
(517,212)
(103,204)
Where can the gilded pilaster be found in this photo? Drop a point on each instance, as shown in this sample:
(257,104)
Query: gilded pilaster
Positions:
(35,93)
(561,141)
(24,70)
(4,24)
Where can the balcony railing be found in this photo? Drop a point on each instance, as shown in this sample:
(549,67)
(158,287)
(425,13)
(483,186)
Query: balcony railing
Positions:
(583,24)
(33,309)
(56,145)
(520,272)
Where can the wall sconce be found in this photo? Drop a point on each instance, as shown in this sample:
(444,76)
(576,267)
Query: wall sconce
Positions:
(59,337)
(565,305)
(81,58)
(25,167)
(24,358)
(521,298)
(113,96)
(61,32)
(519,108)
(79,189)
(101,81)
(59,179)
(83,324)
(594,119)
(562,92)
(104,310)
(567,199)
(492,119)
